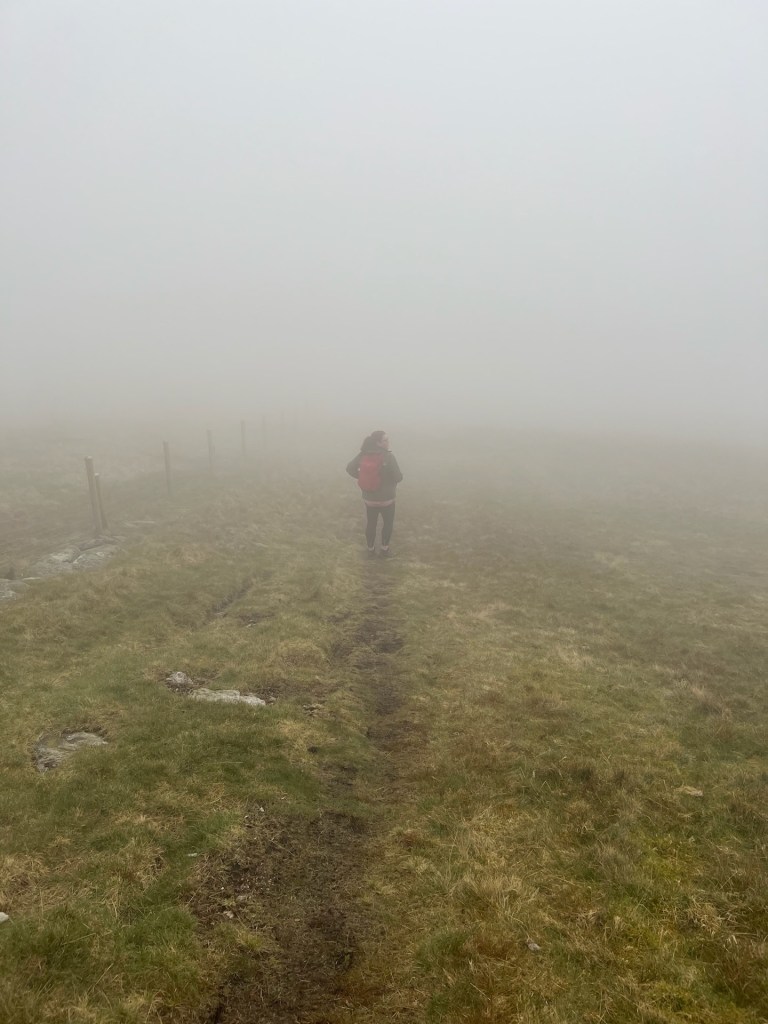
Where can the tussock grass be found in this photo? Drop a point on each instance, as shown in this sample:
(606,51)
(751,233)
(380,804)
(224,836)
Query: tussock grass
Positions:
(572,713)
(97,855)
(544,727)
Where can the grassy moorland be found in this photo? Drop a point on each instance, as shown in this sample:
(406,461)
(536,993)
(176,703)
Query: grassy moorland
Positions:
(518,774)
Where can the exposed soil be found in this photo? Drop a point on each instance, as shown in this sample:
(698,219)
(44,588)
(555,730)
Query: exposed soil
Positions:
(294,886)
(297,882)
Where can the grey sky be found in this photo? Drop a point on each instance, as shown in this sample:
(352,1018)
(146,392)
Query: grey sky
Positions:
(552,211)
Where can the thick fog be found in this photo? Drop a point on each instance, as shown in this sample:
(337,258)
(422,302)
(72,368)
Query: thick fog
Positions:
(545,213)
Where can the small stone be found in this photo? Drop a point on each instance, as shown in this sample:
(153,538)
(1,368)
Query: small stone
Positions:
(534,947)
(179,681)
(4,918)
(690,791)
(229,914)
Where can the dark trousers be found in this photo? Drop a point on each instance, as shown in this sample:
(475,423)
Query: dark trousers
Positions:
(387,522)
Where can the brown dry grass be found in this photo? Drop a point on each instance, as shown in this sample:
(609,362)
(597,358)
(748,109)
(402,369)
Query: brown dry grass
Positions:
(495,741)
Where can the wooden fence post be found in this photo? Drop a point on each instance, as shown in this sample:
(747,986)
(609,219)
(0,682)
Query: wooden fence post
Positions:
(211,452)
(167,460)
(102,516)
(94,496)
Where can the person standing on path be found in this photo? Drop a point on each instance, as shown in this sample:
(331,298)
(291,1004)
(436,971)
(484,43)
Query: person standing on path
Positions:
(376,470)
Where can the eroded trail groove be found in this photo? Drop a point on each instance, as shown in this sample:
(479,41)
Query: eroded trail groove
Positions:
(294,886)
(297,884)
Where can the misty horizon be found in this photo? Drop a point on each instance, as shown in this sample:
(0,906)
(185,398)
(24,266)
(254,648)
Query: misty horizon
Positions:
(553,217)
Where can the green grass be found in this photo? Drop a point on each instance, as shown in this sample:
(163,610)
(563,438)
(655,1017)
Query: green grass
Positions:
(573,662)
(568,708)
(98,855)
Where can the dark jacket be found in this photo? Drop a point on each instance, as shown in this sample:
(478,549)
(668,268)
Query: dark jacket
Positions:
(390,475)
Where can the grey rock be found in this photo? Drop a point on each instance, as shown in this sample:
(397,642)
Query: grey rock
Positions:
(180,682)
(50,751)
(95,557)
(56,564)
(68,554)
(227,697)
(10,588)
(4,918)
(44,568)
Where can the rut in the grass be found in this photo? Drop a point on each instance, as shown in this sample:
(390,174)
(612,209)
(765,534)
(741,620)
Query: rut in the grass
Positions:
(294,886)
(222,606)
(297,884)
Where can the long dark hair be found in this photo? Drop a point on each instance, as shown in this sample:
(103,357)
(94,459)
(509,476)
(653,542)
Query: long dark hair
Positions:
(373,440)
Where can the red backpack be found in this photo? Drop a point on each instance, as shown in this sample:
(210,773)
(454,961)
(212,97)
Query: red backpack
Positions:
(369,476)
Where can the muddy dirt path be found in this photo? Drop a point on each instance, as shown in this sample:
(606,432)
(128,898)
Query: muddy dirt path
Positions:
(297,884)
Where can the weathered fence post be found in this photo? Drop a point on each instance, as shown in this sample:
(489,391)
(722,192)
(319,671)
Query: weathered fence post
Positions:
(211,452)
(167,460)
(243,445)
(94,496)
(102,515)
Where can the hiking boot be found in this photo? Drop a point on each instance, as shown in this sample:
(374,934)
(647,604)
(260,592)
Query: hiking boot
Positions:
(371,553)
(387,553)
